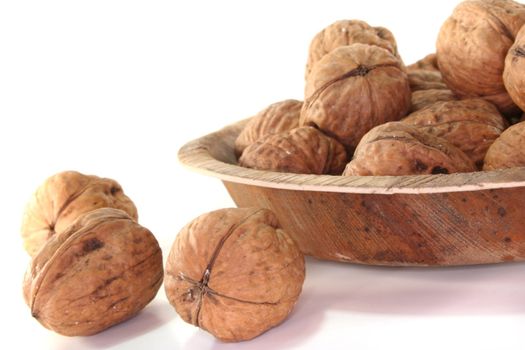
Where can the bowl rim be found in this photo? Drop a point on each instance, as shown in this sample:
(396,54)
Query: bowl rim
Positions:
(197,156)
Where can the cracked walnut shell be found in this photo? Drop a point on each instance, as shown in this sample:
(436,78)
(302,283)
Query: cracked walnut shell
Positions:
(354,88)
(514,73)
(278,117)
(470,125)
(348,32)
(508,150)
(303,150)
(62,198)
(101,270)
(234,273)
(472,45)
(397,148)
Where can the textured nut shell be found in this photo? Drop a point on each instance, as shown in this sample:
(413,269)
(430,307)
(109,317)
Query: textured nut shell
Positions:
(423,79)
(472,45)
(429,62)
(354,88)
(276,118)
(514,73)
(397,148)
(100,271)
(425,98)
(303,150)
(234,273)
(470,125)
(508,151)
(347,32)
(62,198)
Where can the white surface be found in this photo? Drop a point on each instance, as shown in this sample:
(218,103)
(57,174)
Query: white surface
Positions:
(114,88)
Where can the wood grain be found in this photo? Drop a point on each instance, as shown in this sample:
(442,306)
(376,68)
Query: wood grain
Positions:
(429,220)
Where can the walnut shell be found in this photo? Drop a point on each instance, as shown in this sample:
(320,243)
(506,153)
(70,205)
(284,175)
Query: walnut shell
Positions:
(354,88)
(62,198)
(425,98)
(514,72)
(303,150)
(429,62)
(397,148)
(347,32)
(99,271)
(234,273)
(422,79)
(276,118)
(508,150)
(470,125)
(472,46)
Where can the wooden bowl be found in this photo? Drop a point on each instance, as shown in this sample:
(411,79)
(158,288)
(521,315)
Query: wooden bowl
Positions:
(423,220)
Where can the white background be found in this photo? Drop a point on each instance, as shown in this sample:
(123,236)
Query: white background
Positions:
(114,88)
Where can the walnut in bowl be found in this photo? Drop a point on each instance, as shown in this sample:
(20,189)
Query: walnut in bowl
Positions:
(354,88)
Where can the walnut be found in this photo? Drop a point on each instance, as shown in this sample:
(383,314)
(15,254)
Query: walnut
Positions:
(234,273)
(397,148)
(303,150)
(429,62)
(278,117)
(425,98)
(508,150)
(472,46)
(101,270)
(470,125)
(514,72)
(354,88)
(347,32)
(62,198)
(422,79)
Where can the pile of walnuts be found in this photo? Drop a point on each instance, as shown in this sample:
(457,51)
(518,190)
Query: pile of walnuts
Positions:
(366,113)
(233,272)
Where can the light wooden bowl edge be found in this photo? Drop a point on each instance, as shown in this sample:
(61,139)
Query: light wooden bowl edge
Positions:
(197,156)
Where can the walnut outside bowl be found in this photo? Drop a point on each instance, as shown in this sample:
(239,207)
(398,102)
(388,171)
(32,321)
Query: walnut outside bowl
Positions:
(423,220)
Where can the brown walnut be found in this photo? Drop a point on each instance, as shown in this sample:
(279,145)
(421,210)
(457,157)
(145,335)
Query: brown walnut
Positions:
(62,198)
(276,118)
(354,88)
(429,62)
(508,150)
(234,273)
(514,73)
(472,46)
(425,98)
(303,150)
(423,79)
(101,270)
(470,125)
(348,32)
(397,148)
